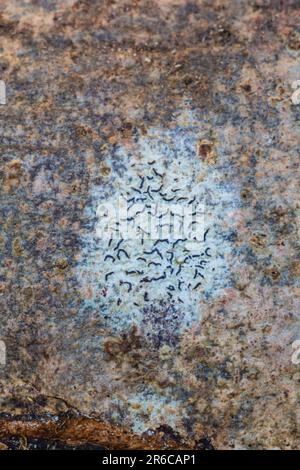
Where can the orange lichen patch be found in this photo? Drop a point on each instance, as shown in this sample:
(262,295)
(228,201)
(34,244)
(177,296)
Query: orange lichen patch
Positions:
(258,240)
(206,152)
(3,287)
(105,170)
(83,132)
(13,174)
(295,268)
(81,430)
(294,41)
(44,107)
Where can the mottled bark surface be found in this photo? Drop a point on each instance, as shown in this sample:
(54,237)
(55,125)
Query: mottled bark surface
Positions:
(91,85)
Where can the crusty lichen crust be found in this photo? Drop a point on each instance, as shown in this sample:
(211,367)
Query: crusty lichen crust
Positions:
(89,85)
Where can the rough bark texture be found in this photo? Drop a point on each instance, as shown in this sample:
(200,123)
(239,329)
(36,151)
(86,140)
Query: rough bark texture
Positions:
(88,82)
